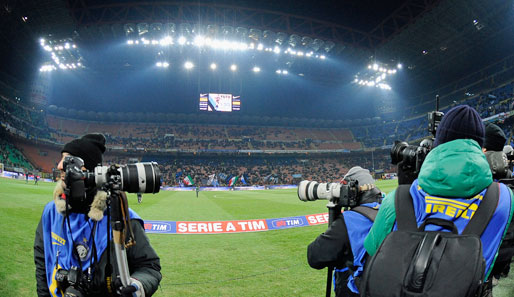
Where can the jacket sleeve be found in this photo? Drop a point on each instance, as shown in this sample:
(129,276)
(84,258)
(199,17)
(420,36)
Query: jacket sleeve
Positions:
(39,260)
(384,223)
(144,264)
(331,248)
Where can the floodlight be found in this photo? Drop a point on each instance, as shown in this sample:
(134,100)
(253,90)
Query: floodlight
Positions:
(199,41)
(233,67)
(182,40)
(47,48)
(74,46)
(260,47)
(213,66)
(322,57)
(42,41)
(356,80)
(130,42)
(66,45)
(166,41)
(383,75)
(189,65)
(299,53)
(158,64)
(375,66)
(256,69)
(284,72)
(165,64)
(399,66)
(279,71)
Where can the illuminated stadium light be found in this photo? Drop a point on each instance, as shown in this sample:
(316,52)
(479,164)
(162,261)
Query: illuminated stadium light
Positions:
(213,66)
(322,57)
(278,71)
(256,69)
(199,41)
(74,46)
(154,42)
(145,41)
(284,72)
(276,50)
(189,65)
(166,41)
(375,66)
(47,48)
(182,40)
(66,45)
(399,66)
(130,42)
(47,68)
(233,67)
(260,47)
(299,53)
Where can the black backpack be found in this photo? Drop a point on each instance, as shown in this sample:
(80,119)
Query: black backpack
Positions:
(414,262)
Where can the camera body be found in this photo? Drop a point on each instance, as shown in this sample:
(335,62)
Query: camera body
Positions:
(411,156)
(133,178)
(73,282)
(343,195)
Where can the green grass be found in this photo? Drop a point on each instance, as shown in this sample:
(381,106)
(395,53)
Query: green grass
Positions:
(271,263)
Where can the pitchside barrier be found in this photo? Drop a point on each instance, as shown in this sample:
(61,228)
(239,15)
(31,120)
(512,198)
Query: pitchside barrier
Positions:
(216,227)
(246,188)
(21,176)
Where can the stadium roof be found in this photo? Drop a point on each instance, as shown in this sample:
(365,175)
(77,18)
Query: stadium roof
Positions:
(438,41)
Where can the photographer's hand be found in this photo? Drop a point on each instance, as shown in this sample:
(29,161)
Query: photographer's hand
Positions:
(135,289)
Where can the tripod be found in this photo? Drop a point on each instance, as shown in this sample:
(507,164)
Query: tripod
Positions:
(333,211)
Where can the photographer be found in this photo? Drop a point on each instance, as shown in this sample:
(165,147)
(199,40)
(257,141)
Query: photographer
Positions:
(454,172)
(73,248)
(493,148)
(341,246)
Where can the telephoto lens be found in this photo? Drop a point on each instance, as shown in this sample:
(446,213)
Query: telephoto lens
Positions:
(142,177)
(312,190)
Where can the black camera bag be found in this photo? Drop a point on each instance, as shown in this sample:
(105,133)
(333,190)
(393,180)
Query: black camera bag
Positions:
(412,262)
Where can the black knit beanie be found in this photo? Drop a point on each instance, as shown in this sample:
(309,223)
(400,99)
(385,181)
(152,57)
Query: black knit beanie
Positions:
(494,138)
(89,147)
(460,122)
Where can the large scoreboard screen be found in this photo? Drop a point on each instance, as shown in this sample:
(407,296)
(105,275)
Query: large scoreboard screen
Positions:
(219,102)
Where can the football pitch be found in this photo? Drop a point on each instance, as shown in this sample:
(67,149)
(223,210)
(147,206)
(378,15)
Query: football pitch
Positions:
(268,263)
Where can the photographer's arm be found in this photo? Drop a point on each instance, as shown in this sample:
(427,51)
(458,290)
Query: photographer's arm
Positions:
(144,263)
(384,223)
(331,248)
(39,260)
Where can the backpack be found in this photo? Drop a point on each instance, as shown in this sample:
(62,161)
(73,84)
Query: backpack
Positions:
(414,262)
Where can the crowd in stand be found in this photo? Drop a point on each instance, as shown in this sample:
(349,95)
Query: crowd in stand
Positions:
(261,170)
(145,139)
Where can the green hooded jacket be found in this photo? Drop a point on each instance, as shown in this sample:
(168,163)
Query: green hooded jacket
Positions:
(457,168)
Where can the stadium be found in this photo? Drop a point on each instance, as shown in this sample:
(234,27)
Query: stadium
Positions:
(237,102)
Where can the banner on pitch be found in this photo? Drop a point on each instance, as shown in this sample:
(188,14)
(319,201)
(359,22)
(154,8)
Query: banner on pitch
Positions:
(239,226)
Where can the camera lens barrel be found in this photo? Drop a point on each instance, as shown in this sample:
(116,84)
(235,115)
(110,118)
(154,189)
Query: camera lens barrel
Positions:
(141,178)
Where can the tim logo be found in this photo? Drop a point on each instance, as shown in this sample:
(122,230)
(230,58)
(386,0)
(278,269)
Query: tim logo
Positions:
(158,227)
(285,223)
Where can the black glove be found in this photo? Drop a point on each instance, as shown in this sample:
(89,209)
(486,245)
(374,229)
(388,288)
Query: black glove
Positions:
(134,289)
(406,176)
